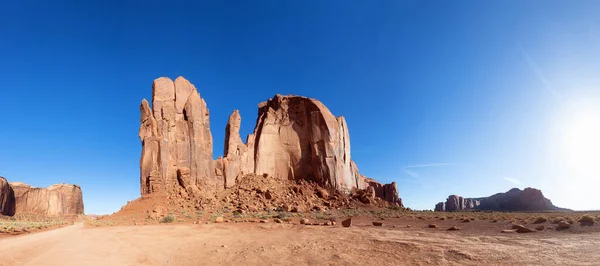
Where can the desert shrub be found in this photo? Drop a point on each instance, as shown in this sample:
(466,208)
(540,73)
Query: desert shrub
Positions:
(237,214)
(285,216)
(394,207)
(557,220)
(586,220)
(540,220)
(167,219)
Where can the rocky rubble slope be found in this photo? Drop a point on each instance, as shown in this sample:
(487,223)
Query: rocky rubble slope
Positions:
(296,140)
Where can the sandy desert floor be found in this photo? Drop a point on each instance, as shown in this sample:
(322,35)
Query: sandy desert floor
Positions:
(294,244)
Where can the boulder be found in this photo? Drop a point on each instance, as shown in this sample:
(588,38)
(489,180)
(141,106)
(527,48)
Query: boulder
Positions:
(562,225)
(7,198)
(377,223)
(540,228)
(347,222)
(60,199)
(522,229)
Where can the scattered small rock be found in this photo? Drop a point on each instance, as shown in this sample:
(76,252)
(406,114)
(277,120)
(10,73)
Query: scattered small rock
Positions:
(509,231)
(522,229)
(562,225)
(277,220)
(347,222)
(409,226)
(432,226)
(453,228)
(220,219)
(328,223)
(224,246)
(304,221)
(540,228)
(377,223)
(264,221)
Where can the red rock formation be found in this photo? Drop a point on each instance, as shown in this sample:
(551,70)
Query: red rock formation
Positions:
(61,199)
(453,203)
(299,138)
(295,138)
(7,198)
(176,141)
(440,207)
(529,199)
(387,192)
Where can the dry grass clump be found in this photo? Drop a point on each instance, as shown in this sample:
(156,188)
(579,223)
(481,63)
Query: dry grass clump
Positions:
(540,220)
(557,220)
(586,220)
(10,226)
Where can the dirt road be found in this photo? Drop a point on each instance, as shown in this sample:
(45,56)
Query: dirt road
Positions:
(286,244)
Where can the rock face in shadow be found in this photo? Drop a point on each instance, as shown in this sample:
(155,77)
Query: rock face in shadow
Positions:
(60,199)
(457,203)
(529,199)
(7,198)
(295,138)
(440,207)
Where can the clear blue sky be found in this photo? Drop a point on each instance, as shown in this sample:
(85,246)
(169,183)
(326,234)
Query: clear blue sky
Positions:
(443,97)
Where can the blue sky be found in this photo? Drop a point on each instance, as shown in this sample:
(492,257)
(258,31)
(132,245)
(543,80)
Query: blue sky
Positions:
(468,97)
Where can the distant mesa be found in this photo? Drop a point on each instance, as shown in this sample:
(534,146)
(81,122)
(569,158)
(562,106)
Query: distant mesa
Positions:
(296,141)
(55,200)
(529,199)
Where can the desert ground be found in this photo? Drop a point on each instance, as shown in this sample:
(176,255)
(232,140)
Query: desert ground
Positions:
(403,240)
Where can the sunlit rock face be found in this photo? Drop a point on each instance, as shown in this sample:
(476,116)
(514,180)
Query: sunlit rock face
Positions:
(176,141)
(60,199)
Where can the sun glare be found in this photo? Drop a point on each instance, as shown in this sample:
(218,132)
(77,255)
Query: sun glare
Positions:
(581,139)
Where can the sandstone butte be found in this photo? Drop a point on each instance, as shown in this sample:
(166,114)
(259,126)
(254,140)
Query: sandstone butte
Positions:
(295,139)
(55,200)
(528,199)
